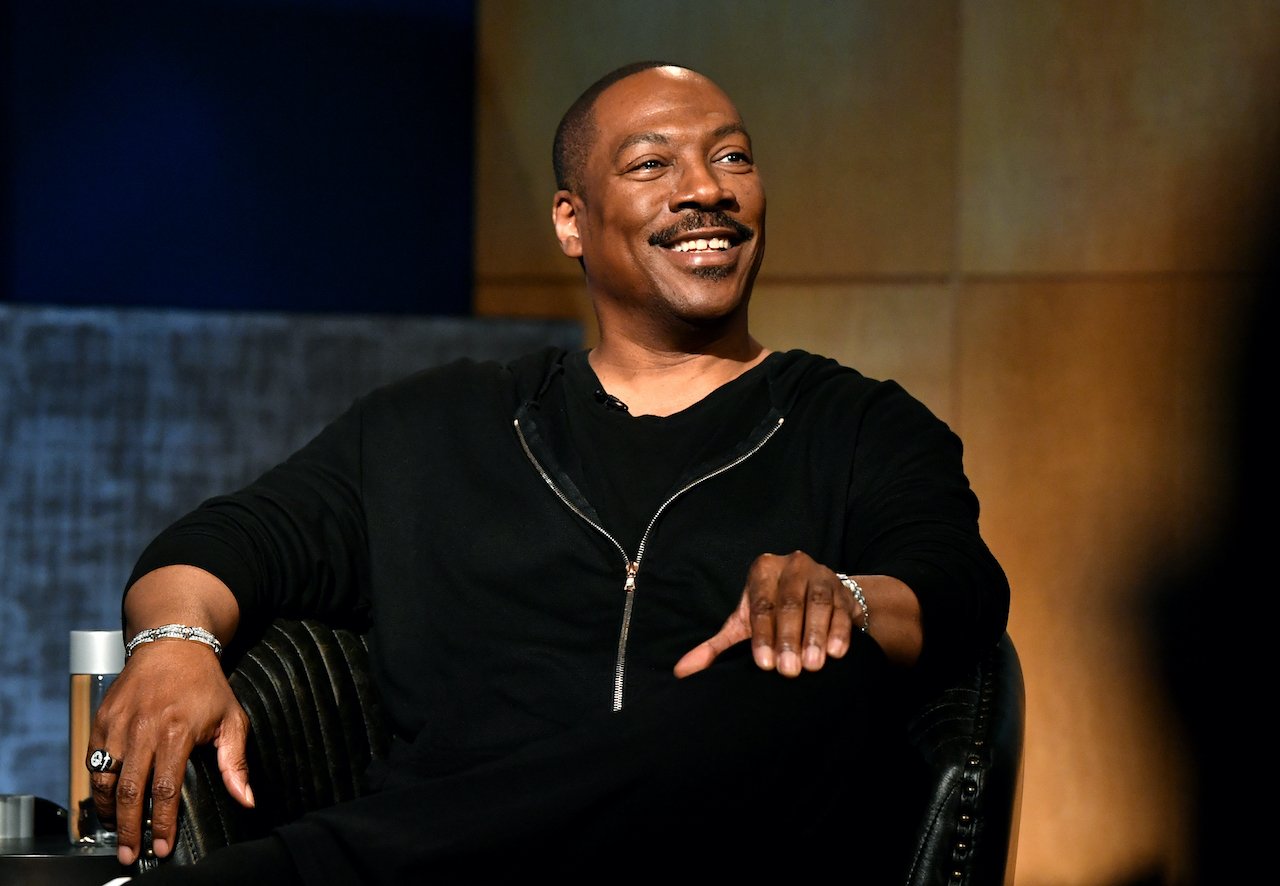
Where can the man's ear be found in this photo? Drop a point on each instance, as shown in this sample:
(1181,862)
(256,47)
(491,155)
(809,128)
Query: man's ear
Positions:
(564,215)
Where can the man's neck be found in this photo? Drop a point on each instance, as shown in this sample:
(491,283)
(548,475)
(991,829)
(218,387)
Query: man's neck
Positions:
(663,382)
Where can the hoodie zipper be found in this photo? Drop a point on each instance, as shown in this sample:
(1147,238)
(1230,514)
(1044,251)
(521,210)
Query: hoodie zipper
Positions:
(632,567)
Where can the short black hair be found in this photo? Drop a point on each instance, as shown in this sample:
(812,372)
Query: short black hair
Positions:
(576,131)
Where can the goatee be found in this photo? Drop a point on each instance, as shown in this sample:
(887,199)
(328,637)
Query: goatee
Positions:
(713,272)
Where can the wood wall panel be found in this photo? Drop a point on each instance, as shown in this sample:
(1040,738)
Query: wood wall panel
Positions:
(852,115)
(901,332)
(1115,137)
(537,297)
(1082,404)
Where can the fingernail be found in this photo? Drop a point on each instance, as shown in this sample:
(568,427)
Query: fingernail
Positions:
(789,662)
(125,855)
(248,794)
(812,657)
(161,846)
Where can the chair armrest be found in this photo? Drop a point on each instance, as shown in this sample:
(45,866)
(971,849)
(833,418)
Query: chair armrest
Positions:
(315,723)
(969,736)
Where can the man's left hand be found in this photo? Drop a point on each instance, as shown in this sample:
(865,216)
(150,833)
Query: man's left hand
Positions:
(795,612)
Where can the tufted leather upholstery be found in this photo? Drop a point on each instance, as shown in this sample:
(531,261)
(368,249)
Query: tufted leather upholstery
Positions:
(316,724)
(969,739)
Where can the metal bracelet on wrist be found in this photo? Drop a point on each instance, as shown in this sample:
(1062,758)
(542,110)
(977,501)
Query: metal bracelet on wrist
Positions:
(174,632)
(856,590)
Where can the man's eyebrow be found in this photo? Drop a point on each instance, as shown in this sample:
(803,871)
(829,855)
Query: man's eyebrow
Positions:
(642,138)
(657,138)
(734,128)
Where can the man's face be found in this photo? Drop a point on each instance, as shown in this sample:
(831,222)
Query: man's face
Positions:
(669,220)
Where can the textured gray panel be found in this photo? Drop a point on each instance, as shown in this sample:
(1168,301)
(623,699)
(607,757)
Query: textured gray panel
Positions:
(114,422)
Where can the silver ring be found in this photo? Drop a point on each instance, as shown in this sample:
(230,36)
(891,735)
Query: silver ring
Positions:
(102,761)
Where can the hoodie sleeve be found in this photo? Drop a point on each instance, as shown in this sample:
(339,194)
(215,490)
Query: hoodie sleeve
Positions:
(292,542)
(913,515)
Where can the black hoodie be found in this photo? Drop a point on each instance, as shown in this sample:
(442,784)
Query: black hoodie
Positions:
(448,509)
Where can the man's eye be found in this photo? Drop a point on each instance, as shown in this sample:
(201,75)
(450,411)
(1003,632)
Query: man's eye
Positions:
(736,157)
(647,165)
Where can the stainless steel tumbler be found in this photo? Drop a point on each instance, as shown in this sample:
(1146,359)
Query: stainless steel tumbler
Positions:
(96,658)
(17,816)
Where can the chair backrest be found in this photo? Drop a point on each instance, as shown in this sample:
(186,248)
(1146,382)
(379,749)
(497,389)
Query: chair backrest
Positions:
(970,738)
(307,750)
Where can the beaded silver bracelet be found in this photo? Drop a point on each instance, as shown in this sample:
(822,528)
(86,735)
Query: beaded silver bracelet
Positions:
(174,632)
(856,589)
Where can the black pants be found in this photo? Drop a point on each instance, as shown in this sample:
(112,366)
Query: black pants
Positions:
(731,772)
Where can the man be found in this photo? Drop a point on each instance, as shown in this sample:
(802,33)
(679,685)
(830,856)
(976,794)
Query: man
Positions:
(586,571)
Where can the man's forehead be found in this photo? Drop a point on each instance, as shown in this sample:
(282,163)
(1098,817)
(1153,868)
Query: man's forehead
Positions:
(635,108)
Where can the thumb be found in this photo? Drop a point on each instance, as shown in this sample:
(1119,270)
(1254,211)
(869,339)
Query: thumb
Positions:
(232,761)
(700,657)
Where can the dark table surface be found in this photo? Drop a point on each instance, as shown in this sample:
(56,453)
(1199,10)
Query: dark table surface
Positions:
(56,861)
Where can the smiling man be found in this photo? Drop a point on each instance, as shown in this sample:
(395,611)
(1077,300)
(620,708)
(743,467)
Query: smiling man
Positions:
(666,210)
(648,609)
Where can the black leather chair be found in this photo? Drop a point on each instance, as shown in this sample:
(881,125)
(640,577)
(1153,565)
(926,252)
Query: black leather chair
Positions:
(316,724)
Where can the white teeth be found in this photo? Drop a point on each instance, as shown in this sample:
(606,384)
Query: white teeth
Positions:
(715,243)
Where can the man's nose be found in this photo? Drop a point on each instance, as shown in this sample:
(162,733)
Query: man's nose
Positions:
(701,186)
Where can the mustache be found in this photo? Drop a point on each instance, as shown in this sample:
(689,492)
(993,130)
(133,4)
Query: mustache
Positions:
(696,220)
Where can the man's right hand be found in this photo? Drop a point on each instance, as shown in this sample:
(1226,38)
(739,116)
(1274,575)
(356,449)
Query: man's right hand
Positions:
(170,697)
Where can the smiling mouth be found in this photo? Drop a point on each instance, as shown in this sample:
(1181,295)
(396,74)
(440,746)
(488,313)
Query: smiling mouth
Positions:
(687,235)
(709,244)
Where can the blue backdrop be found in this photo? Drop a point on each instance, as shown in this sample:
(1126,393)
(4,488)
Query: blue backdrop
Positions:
(259,154)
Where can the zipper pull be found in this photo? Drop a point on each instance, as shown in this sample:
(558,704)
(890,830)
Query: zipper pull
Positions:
(632,569)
